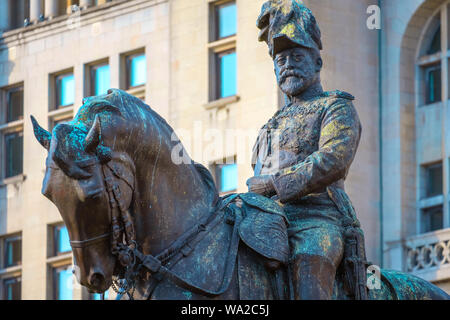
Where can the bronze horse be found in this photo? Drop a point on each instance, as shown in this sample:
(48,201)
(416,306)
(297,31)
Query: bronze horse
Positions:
(134,214)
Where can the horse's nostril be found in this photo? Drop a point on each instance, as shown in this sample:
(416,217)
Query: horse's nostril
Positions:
(96,280)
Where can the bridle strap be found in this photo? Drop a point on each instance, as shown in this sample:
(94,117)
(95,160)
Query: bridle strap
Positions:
(89,242)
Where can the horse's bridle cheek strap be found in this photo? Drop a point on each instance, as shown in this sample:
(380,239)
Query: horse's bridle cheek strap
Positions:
(113,192)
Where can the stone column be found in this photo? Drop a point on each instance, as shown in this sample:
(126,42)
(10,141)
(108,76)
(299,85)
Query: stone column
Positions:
(85,4)
(51,8)
(69,6)
(35,10)
(5,20)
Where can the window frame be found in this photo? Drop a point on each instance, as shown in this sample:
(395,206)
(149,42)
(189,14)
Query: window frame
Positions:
(56,229)
(5,241)
(218,73)
(217,46)
(55,280)
(7,128)
(9,272)
(7,102)
(216,166)
(214,19)
(5,159)
(89,78)
(426,73)
(137,91)
(16,279)
(217,6)
(54,94)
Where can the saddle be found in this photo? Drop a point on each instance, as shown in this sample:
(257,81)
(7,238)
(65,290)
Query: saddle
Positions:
(206,264)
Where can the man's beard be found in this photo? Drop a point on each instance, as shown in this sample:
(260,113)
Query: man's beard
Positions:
(291,83)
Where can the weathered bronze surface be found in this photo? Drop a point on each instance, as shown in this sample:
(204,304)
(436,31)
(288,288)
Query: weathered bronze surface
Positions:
(155,229)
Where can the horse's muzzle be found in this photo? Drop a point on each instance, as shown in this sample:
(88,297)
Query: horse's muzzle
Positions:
(97,282)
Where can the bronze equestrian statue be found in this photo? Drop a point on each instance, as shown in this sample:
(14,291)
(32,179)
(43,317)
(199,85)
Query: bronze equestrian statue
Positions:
(153,229)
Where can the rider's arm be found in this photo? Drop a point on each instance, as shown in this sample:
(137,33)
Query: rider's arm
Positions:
(339,139)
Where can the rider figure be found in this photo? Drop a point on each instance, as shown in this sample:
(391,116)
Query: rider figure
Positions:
(302,155)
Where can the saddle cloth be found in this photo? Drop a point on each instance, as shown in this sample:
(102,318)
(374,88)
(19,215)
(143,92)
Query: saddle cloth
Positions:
(261,225)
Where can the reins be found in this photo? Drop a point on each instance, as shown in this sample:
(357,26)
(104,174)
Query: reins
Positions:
(159,266)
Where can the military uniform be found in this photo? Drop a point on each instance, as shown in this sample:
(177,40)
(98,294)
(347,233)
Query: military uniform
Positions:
(308,150)
(303,155)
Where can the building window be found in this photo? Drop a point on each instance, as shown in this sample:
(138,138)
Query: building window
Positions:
(13,154)
(99,79)
(133,73)
(226,177)
(225,18)
(431,203)
(13,251)
(63,283)
(60,280)
(61,240)
(14,102)
(433,91)
(64,90)
(432,219)
(11,130)
(435,45)
(433,180)
(226,74)
(136,67)
(11,265)
(98,296)
(12,288)
(222,47)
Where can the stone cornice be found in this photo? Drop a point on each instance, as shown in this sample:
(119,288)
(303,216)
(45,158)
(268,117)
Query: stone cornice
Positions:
(58,24)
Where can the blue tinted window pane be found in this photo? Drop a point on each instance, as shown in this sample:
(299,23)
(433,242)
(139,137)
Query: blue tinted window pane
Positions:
(227,20)
(228,178)
(13,154)
(98,296)
(66,90)
(102,77)
(228,75)
(138,71)
(65,284)
(63,242)
(12,289)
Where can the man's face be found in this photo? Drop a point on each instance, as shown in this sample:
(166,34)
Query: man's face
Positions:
(297,69)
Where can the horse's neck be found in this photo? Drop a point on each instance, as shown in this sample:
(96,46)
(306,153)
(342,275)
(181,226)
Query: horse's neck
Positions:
(174,201)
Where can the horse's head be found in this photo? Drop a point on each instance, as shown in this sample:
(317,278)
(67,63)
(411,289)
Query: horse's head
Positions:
(89,183)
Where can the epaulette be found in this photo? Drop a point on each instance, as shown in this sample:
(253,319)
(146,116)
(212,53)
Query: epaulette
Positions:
(339,94)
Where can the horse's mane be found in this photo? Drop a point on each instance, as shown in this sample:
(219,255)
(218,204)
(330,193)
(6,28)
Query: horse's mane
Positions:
(132,109)
(207,179)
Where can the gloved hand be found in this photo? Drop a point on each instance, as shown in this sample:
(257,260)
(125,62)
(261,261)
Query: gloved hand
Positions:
(262,185)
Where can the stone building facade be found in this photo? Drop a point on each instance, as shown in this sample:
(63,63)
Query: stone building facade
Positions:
(399,181)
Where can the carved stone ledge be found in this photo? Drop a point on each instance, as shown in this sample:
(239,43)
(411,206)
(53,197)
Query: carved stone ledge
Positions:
(429,254)
(221,102)
(13,180)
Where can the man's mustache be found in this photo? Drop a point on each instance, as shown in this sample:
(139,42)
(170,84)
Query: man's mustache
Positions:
(289,73)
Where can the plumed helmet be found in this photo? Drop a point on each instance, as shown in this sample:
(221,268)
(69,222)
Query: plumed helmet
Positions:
(288,23)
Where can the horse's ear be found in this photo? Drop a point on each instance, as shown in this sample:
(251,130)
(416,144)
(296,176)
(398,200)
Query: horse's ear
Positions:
(92,143)
(43,136)
(93,137)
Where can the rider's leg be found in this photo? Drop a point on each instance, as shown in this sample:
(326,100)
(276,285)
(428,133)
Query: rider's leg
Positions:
(313,277)
(315,255)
